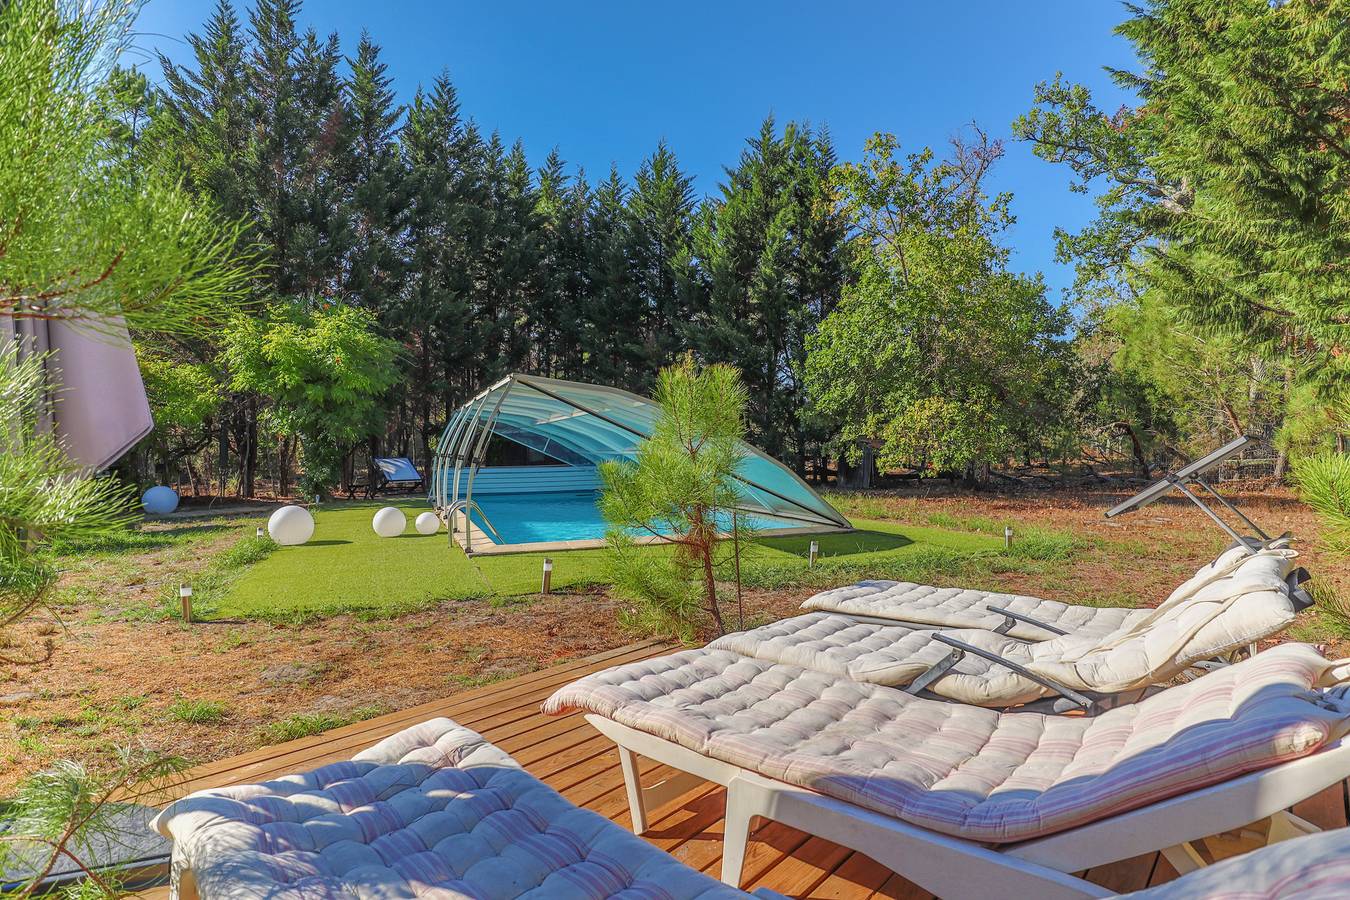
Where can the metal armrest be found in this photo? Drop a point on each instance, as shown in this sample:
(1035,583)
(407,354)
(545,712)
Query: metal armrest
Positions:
(1302,599)
(1068,693)
(1012,618)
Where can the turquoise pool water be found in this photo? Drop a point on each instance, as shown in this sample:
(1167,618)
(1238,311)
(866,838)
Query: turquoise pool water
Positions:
(573,516)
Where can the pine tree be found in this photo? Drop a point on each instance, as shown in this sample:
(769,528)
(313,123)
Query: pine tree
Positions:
(322,234)
(207,111)
(614,314)
(660,218)
(445,214)
(1225,187)
(375,193)
(770,254)
(206,123)
(558,310)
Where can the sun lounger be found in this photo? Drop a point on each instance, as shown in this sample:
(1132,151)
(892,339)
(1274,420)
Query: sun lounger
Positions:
(431,811)
(972,802)
(1309,867)
(1217,616)
(1023,617)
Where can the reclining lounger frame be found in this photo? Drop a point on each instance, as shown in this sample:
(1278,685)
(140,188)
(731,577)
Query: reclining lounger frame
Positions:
(955,867)
(1069,699)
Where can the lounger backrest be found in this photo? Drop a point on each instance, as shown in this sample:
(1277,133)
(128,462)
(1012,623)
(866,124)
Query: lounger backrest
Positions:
(1249,602)
(397,469)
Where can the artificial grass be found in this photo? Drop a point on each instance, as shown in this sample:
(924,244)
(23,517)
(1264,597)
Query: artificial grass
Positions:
(347,568)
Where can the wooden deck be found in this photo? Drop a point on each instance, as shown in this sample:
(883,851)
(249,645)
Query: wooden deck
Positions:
(572,757)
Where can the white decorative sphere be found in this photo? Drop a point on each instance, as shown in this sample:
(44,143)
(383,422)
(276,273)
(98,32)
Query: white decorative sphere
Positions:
(389,522)
(427,523)
(291,525)
(160,500)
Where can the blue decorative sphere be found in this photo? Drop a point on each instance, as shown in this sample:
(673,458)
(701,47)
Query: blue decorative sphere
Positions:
(160,500)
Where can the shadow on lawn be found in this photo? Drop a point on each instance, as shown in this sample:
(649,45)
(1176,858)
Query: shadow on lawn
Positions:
(849,544)
(133,540)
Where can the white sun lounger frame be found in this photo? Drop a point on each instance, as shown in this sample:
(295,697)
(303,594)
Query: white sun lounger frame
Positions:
(956,868)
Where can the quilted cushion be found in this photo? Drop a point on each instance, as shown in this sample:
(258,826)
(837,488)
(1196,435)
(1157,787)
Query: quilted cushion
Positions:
(1249,601)
(892,655)
(434,811)
(1235,570)
(1307,868)
(924,604)
(963,770)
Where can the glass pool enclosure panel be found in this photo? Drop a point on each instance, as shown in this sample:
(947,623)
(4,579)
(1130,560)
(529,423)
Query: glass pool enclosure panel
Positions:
(585,424)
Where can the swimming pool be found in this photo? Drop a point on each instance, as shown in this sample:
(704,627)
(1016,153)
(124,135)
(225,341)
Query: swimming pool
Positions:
(558,516)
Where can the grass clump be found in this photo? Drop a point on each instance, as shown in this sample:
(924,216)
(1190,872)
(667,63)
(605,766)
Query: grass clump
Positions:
(199,712)
(1043,544)
(306,724)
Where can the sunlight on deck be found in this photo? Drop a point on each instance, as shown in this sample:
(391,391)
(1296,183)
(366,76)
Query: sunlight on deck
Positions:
(573,758)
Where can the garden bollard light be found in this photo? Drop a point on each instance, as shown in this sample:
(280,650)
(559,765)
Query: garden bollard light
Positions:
(1007,536)
(815,549)
(259,532)
(185,598)
(548,575)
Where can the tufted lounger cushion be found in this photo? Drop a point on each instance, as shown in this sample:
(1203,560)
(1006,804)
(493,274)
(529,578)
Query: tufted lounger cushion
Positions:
(1306,868)
(954,607)
(963,770)
(434,811)
(1250,602)
(935,607)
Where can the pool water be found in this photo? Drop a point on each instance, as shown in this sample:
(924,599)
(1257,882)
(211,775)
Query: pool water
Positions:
(528,518)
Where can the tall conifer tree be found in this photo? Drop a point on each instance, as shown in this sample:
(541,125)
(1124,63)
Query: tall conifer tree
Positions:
(769,252)
(660,217)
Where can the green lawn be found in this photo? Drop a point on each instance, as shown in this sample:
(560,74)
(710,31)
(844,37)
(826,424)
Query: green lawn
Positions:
(346,567)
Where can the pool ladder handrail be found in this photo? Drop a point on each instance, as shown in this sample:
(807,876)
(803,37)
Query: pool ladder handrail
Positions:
(471,506)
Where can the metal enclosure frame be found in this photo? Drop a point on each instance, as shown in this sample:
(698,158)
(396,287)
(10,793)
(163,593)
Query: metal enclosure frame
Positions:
(555,415)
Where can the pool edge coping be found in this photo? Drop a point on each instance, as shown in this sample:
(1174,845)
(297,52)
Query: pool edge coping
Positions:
(490,549)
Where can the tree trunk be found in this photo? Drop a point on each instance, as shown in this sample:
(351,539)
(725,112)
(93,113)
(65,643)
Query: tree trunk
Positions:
(249,473)
(284,450)
(1231,415)
(710,586)
(224,455)
(1140,460)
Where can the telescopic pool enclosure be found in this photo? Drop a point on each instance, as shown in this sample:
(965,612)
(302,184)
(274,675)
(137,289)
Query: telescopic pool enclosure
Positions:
(576,426)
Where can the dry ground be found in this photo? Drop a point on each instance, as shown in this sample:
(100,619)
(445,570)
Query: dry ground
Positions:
(207,691)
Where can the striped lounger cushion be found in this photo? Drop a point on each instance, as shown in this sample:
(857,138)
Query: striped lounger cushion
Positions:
(935,607)
(954,607)
(964,770)
(1306,868)
(434,811)
(1249,603)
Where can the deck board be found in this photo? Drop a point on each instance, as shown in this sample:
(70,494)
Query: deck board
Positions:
(572,757)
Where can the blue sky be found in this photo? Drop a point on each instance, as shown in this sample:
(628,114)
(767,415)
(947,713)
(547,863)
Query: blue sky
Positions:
(603,81)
